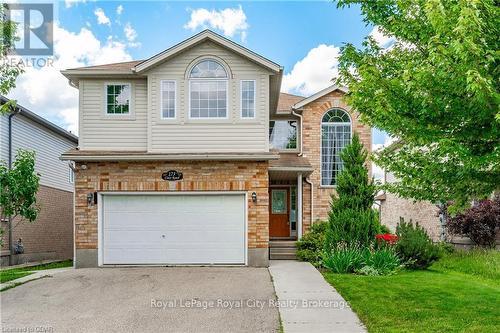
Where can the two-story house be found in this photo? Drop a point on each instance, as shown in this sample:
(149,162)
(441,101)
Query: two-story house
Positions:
(194,157)
(50,236)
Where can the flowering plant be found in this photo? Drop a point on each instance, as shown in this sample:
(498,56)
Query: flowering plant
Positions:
(388,238)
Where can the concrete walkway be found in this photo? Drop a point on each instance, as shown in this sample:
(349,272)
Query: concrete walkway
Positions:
(307,303)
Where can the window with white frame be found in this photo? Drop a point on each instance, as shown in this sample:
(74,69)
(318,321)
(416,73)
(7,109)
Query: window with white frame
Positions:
(208,90)
(167,99)
(335,135)
(118,98)
(248,99)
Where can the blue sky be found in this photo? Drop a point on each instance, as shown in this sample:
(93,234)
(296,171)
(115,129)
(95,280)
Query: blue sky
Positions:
(304,37)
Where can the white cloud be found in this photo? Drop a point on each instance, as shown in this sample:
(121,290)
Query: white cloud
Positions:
(46,91)
(378,172)
(101,17)
(230,21)
(382,40)
(314,72)
(119,9)
(131,35)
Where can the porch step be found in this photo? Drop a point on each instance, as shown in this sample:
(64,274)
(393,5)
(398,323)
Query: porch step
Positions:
(282,250)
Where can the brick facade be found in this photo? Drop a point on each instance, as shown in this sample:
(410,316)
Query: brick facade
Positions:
(51,235)
(422,212)
(146,176)
(311,117)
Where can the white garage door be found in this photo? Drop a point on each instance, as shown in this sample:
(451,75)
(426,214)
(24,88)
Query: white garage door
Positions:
(173,229)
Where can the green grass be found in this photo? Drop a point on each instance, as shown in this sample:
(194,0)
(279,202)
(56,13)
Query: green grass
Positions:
(459,293)
(16,273)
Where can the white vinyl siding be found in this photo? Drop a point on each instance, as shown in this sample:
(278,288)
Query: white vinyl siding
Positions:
(187,135)
(47,145)
(248,99)
(99,131)
(168,97)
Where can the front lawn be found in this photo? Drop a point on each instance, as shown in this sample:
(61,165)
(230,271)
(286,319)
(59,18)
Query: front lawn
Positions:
(459,293)
(16,273)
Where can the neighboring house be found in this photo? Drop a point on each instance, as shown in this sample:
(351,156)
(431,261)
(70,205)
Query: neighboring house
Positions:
(51,235)
(194,157)
(393,208)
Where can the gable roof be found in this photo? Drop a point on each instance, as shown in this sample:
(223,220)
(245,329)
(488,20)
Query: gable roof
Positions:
(286,101)
(41,121)
(319,94)
(201,37)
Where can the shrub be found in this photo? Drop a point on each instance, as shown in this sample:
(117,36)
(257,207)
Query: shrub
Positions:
(352,227)
(349,258)
(480,223)
(344,258)
(383,229)
(384,260)
(414,247)
(311,245)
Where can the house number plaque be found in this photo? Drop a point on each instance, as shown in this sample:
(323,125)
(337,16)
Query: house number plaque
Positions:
(171,175)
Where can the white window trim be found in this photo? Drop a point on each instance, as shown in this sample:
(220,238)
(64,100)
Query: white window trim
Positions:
(227,99)
(161,100)
(321,143)
(290,150)
(254,99)
(130,113)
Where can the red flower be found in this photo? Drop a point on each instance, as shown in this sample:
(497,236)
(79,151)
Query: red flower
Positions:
(389,238)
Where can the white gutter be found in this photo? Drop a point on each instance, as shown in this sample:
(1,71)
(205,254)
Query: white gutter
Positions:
(300,154)
(300,117)
(312,198)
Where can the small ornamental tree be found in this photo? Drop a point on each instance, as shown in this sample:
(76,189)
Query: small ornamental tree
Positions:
(351,219)
(18,189)
(8,72)
(481,223)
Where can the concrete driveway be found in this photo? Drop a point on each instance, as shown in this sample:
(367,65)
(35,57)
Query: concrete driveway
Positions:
(168,299)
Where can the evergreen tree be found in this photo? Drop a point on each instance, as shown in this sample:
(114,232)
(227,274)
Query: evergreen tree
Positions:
(351,218)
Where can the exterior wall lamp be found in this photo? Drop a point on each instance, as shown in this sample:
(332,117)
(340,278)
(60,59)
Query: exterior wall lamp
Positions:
(254,197)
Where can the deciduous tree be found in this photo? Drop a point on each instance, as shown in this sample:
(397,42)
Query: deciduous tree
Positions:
(436,88)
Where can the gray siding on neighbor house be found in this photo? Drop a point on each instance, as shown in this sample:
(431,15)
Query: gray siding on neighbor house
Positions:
(4,137)
(27,134)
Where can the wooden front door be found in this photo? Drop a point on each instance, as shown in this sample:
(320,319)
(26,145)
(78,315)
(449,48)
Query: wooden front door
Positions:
(279,212)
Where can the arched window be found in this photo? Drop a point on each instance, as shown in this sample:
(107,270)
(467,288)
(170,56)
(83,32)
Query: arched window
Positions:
(208,69)
(335,135)
(208,90)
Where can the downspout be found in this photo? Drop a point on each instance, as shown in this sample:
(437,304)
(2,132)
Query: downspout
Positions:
(10,167)
(312,198)
(301,154)
(300,117)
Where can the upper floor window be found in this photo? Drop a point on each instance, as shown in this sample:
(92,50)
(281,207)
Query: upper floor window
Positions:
(248,99)
(283,134)
(335,135)
(208,90)
(167,99)
(208,69)
(118,98)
